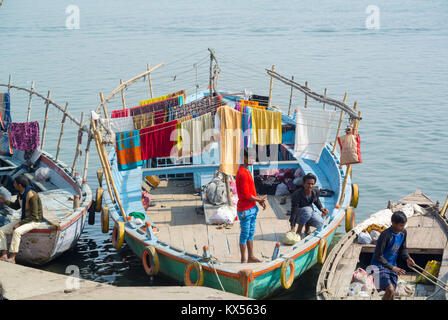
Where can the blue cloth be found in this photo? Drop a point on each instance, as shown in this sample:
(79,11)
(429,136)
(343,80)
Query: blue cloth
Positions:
(3,220)
(23,198)
(7,114)
(391,250)
(248,220)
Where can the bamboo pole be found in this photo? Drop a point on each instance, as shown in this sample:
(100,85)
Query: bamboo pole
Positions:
(78,144)
(271,84)
(339,125)
(108,171)
(44,130)
(122,95)
(102,159)
(86,160)
(325,95)
(103,104)
(29,102)
(229,194)
(290,97)
(349,166)
(62,131)
(442,213)
(306,97)
(9,83)
(149,79)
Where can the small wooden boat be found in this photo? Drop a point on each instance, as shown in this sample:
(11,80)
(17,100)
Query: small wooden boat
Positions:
(65,197)
(427,234)
(176,240)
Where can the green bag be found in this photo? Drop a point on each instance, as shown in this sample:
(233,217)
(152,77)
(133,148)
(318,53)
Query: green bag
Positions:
(137,215)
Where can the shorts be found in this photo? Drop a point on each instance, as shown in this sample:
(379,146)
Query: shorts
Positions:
(387,277)
(248,219)
(306,215)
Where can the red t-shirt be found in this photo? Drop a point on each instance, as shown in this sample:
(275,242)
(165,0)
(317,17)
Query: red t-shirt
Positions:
(245,188)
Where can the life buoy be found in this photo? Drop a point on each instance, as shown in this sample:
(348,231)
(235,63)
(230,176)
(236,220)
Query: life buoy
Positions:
(322,250)
(349,219)
(98,199)
(150,261)
(287,283)
(118,235)
(187,274)
(105,220)
(355,195)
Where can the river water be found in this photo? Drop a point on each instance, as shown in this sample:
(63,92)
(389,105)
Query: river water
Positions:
(390,56)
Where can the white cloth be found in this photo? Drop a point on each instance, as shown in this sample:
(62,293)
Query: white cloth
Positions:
(312,130)
(16,234)
(110,126)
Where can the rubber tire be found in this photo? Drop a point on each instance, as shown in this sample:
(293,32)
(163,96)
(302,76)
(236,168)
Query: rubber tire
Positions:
(196,265)
(118,235)
(287,283)
(322,250)
(105,220)
(153,268)
(349,218)
(98,199)
(355,195)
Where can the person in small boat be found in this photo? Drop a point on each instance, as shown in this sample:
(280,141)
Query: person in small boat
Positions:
(5,211)
(247,208)
(302,212)
(32,159)
(29,201)
(391,244)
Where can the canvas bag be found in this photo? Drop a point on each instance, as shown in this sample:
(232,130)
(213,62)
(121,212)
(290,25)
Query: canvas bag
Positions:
(350,149)
(216,191)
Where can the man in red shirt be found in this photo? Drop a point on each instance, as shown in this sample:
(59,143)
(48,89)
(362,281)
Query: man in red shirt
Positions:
(247,208)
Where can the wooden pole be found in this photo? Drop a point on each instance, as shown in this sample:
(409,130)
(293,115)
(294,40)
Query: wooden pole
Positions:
(271,84)
(62,131)
(44,130)
(103,104)
(149,79)
(9,83)
(86,160)
(29,102)
(349,167)
(445,206)
(325,95)
(122,96)
(306,97)
(290,97)
(229,194)
(103,160)
(78,144)
(339,125)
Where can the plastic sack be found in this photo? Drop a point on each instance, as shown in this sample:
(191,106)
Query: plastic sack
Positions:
(374,235)
(224,214)
(42,174)
(350,149)
(354,289)
(433,268)
(146,199)
(405,289)
(364,238)
(360,275)
(282,190)
(291,238)
(216,192)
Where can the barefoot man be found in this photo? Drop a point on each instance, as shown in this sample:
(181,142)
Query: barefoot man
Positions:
(247,208)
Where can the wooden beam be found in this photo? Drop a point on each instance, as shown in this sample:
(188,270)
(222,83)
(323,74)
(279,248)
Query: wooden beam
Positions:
(271,84)
(29,102)
(339,124)
(290,98)
(325,95)
(78,144)
(44,130)
(149,80)
(306,97)
(103,104)
(123,101)
(62,131)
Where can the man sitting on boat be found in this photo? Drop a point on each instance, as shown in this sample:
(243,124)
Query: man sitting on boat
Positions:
(28,199)
(391,244)
(247,208)
(302,212)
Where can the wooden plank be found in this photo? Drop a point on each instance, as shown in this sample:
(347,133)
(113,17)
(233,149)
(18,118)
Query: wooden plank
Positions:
(177,239)
(341,286)
(428,221)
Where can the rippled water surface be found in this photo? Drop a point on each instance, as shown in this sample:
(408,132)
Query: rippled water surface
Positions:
(397,74)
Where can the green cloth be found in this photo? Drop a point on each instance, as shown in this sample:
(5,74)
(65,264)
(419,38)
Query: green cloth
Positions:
(138,215)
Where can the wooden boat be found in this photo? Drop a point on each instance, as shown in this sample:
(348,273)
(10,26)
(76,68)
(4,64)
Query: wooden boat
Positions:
(426,240)
(65,197)
(175,240)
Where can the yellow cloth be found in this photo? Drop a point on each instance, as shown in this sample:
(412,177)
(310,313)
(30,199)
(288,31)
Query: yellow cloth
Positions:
(167,96)
(266,127)
(230,131)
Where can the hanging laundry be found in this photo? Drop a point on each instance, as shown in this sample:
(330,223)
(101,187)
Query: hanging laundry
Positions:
(202,133)
(156,106)
(160,116)
(312,130)
(230,144)
(120,113)
(158,140)
(129,153)
(5,108)
(181,94)
(248,103)
(262,100)
(267,127)
(25,135)
(143,120)
(246,126)
(185,137)
(350,149)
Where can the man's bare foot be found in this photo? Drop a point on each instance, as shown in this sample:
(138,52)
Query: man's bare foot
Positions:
(253,259)
(12,260)
(243,261)
(3,258)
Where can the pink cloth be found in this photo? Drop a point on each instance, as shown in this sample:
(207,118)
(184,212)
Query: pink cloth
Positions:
(120,113)
(25,135)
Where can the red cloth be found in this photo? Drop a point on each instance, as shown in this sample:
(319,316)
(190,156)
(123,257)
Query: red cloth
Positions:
(156,140)
(120,113)
(245,187)
(159,116)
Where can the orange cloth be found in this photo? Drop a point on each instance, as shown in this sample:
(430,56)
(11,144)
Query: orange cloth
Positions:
(230,131)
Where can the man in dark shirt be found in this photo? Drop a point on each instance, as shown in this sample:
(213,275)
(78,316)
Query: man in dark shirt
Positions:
(302,212)
(390,245)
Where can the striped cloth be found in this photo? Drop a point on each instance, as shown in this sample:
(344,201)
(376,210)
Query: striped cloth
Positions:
(129,154)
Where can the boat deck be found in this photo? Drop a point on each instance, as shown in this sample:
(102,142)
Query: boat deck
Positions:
(425,236)
(178,215)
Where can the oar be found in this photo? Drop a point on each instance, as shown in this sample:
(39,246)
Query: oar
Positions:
(429,279)
(420,268)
